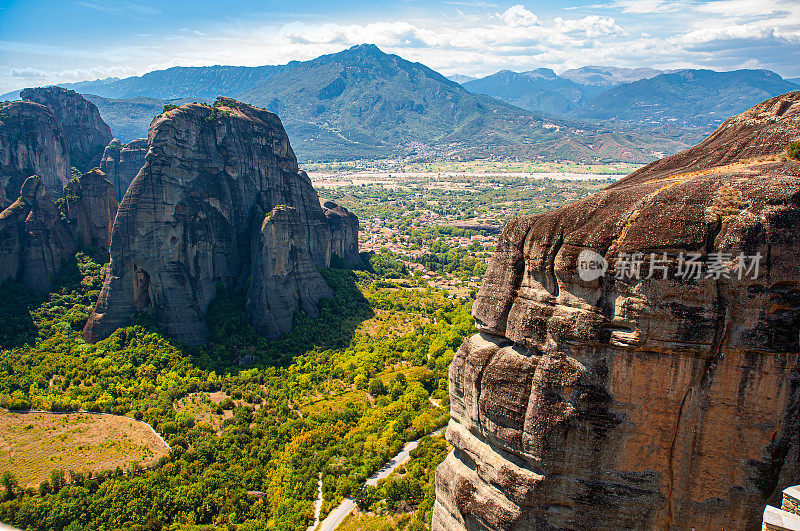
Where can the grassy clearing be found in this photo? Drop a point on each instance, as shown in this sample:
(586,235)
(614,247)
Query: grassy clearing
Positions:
(33,444)
(359,521)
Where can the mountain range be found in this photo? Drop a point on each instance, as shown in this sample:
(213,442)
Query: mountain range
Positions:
(364,103)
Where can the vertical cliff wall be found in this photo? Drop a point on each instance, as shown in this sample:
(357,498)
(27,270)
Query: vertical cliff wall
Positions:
(34,240)
(194,217)
(91,209)
(85,131)
(344,232)
(122,163)
(613,385)
(31,143)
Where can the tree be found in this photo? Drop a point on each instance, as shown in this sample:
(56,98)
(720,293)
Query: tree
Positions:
(793,150)
(377,387)
(9,484)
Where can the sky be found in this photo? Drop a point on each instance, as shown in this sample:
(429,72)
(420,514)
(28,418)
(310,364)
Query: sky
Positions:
(59,41)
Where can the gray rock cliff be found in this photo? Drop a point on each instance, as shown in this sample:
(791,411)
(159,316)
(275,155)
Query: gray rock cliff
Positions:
(34,240)
(31,143)
(85,131)
(91,209)
(195,217)
(121,162)
(344,232)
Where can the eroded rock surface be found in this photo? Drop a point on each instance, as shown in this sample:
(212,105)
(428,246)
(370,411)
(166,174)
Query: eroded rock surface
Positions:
(639,403)
(85,131)
(285,276)
(31,143)
(34,240)
(91,209)
(121,162)
(344,232)
(194,218)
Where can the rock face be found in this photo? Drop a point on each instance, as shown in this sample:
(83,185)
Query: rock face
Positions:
(122,162)
(31,143)
(669,402)
(86,132)
(344,232)
(285,276)
(34,241)
(196,216)
(91,209)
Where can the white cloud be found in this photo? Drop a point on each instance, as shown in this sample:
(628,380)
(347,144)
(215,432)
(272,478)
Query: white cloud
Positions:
(517,15)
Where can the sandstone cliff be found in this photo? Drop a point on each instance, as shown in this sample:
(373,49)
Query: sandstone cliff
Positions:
(86,132)
(122,162)
(669,402)
(91,209)
(34,241)
(31,143)
(344,232)
(194,217)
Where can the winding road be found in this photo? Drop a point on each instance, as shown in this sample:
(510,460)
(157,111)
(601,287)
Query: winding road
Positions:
(337,516)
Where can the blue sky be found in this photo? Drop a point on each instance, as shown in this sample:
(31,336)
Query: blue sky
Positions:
(44,42)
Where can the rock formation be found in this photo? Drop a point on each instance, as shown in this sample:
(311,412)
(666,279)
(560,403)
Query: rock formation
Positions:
(122,162)
(91,209)
(219,201)
(34,241)
(344,232)
(285,275)
(31,143)
(615,400)
(86,132)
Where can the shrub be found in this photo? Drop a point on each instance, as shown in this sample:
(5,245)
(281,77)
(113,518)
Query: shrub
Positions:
(793,150)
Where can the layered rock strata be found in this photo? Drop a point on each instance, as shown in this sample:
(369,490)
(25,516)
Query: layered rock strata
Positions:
(34,240)
(91,209)
(344,232)
(122,162)
(201,213)
(610,397)
(31,143)
(85,131)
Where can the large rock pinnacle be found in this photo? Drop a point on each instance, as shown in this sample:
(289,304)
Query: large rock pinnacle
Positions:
(86,132)
(644,396)
(195,218)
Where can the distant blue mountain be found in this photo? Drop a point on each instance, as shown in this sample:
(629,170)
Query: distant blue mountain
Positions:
(205,82)
(696,98)
(536,90)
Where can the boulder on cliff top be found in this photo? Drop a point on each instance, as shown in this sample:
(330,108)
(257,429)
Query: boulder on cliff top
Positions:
(31,143)
(193,219)
(637,361)
(86,133)
(34,240)
(122,162)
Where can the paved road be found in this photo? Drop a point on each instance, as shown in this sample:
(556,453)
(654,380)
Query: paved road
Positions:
(336,517)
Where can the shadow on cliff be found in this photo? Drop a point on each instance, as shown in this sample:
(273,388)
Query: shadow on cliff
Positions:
(235,344)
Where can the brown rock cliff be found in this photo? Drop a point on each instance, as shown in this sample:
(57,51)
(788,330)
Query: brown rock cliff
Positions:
(639,403)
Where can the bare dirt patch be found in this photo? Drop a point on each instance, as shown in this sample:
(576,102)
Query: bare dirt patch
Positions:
(33,444)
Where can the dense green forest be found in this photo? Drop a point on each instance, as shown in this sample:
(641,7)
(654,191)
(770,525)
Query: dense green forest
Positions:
(339,395)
